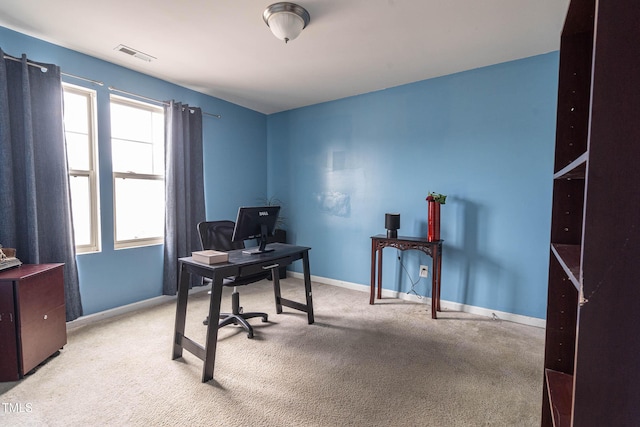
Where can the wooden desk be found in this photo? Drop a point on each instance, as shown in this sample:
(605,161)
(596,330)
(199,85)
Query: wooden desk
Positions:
(433,249)
(239,264)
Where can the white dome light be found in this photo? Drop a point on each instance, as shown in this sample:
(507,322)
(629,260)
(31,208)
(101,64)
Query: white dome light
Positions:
(286,20)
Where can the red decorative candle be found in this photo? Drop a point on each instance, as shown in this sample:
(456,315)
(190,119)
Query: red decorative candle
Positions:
(433,232)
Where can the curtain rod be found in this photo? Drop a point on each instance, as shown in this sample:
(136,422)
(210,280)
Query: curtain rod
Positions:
(99,83)
(44,69)
(113,89)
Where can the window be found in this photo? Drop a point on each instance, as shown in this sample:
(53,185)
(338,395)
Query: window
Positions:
(80,135)
(137,146)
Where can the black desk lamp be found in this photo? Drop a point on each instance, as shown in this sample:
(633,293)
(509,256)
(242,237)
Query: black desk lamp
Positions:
(392,224)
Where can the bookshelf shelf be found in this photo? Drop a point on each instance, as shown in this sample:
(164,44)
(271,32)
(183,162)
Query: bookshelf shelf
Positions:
(591,374)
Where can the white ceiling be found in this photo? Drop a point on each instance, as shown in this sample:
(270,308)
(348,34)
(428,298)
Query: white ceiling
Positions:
(223,47)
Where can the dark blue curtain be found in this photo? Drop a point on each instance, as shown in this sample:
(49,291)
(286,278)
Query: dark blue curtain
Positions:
(35,207)
(184,188)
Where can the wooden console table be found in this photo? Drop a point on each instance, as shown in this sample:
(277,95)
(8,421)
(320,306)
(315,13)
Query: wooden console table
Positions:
(433,249)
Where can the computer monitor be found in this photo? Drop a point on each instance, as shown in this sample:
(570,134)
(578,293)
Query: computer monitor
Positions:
(256,222)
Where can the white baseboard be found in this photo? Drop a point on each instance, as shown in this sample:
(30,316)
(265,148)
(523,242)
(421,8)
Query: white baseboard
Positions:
(117,311)
(445,305)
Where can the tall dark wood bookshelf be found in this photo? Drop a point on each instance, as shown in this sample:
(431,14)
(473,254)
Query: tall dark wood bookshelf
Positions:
(592,348)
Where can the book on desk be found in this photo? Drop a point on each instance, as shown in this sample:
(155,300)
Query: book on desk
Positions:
(210,256)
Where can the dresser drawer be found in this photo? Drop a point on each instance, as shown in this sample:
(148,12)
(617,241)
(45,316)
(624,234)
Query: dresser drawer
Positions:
(42,336)
(39,294)
(248,270)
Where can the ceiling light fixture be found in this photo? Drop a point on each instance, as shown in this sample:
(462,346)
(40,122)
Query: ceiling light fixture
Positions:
(286,20)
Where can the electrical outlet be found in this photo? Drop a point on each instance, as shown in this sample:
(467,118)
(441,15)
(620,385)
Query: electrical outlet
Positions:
(424,271)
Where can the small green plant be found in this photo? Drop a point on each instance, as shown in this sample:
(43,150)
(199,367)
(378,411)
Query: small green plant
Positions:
(437,197)
(274,201)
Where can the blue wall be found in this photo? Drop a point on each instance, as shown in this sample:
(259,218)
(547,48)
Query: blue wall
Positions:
(484,138)
(237,142)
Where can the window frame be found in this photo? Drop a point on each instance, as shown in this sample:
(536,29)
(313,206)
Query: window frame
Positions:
(144,241)
(91,173)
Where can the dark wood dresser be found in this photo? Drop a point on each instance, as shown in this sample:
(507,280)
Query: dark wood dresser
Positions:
(32,317)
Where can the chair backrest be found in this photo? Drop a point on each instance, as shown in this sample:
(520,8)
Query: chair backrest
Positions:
(217,235)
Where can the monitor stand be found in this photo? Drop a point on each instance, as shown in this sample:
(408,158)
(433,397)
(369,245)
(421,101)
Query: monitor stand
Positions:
(256,251)
(262,248)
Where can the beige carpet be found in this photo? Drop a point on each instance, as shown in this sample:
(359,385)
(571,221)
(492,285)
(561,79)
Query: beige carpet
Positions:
(359,365)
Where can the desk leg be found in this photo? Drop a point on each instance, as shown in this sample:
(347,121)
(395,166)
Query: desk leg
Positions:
(181,312)
(380,273)
(307,286)
(276,289)
(373,271)
(212,330)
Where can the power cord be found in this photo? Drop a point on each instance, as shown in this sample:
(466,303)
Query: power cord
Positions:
(413,283)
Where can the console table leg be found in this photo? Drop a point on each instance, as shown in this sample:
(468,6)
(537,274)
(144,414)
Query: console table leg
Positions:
(439,279)
(434,290)
(380,273)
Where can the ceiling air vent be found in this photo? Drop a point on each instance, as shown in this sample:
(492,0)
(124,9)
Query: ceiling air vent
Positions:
(135,53)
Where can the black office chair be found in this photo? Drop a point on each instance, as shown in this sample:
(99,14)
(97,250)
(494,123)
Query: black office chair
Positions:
(217,235)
